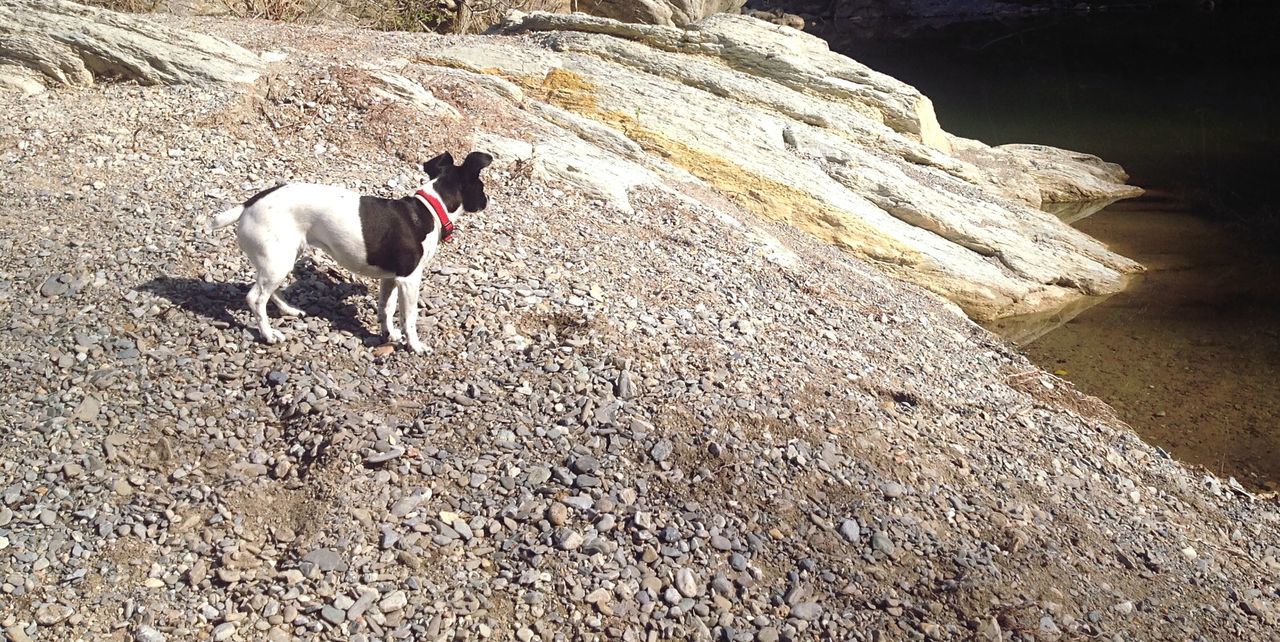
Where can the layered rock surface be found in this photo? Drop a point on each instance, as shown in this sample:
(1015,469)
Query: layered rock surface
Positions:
(56,42)
(800,134)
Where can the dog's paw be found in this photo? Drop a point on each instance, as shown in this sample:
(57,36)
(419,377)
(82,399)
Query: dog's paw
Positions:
(293,312)
(273,336)
(394,335)
(416,346)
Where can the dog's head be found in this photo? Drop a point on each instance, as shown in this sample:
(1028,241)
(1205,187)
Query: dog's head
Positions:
(459,185)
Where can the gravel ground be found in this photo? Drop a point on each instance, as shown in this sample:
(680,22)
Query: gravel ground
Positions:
(628,426)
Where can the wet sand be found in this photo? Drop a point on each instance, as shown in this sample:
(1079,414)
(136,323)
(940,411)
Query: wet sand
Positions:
(1189,354)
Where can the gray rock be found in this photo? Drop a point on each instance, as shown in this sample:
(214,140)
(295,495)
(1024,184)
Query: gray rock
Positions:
(880,542)
(394,601)
(806,611)
(145,633)
(224,631)
(850,531)
(384,456)
(51,614)
(568,539)
(687,584)
(624,388)
(661,451)
(584,465)
(326,559)
(333,614)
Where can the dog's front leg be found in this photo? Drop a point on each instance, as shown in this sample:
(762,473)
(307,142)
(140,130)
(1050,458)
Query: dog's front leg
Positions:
(407,288)
(387,310)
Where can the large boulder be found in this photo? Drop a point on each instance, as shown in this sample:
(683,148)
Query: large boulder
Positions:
(46,42)
(671,13)
(801,135)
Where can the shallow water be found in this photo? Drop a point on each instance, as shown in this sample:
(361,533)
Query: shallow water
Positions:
(1189,353)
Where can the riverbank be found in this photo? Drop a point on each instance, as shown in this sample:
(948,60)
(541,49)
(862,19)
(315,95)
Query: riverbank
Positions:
(646,411)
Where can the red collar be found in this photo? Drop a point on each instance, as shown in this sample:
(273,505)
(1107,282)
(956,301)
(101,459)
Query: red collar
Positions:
(446,226)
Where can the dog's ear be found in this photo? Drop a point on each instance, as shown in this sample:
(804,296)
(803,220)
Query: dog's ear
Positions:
(438,165)
(476,161)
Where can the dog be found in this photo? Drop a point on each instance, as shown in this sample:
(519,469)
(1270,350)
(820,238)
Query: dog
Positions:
(388,239)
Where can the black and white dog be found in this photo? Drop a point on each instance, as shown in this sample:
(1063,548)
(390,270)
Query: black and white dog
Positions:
(388,239)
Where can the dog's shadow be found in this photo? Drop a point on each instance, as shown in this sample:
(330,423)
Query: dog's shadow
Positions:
(315,290)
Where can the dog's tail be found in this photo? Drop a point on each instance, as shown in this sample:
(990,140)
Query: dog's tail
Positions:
(226,218)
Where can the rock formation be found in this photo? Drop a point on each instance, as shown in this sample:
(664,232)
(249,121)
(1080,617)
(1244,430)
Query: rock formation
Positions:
(802,135)
(56,42)
(671,13)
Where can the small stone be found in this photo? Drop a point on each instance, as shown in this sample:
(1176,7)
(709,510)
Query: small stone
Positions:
(199,569)
(88,409)
(584,465)
(686,583)
(386,456)
(849,530)
(661,451)
(145,633)
(807,611)
(767,634)
(671,596)
(51,614)
(557,514)
(326,559)
(394,601)
(881,542)
(56,285)
(624,388)
(224,631)
(16,633)
(568,539)
(333,615)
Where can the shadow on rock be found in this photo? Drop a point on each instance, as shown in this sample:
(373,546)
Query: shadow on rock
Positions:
(315,290)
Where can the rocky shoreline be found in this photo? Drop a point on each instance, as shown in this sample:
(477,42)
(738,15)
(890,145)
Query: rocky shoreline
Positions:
(660,416)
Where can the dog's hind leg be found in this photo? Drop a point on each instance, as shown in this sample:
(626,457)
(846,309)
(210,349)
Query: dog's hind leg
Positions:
(285,308)
(387,310)
(271,275)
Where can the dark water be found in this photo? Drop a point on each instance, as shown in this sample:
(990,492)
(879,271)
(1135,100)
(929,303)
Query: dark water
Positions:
(1188,102)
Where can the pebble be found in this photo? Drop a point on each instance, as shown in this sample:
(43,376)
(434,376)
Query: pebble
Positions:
(881,542)
(145,633)
(326,559)
(51,614)
(394,601)
(568,539)
(850,531)
(224,631)
(807,611)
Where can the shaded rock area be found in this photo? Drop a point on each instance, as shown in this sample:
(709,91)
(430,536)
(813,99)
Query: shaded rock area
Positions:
(46,42)
(647,411)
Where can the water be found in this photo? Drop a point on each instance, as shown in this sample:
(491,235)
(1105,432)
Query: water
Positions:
(1187,101)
